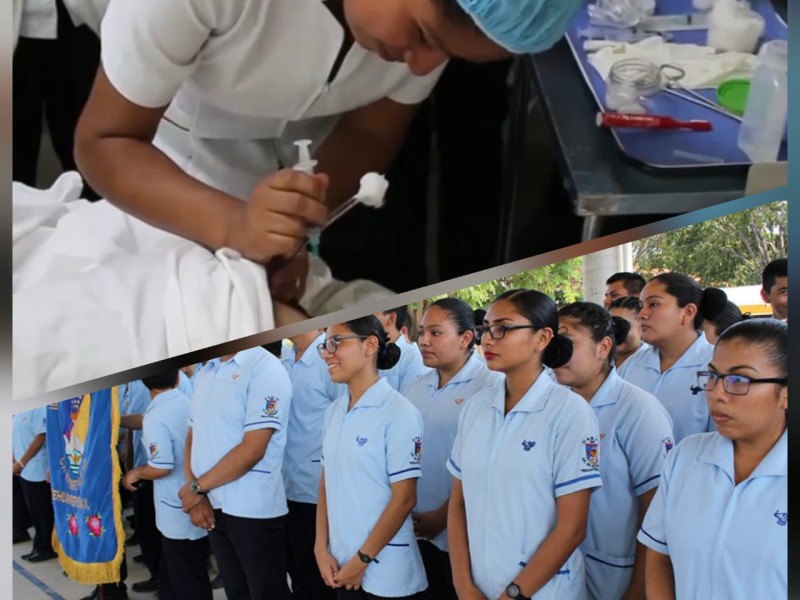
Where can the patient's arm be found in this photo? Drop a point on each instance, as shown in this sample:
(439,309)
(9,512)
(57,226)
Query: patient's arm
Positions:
(286,314)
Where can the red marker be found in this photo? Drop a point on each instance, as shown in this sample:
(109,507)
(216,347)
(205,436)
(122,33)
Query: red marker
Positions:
(609,119)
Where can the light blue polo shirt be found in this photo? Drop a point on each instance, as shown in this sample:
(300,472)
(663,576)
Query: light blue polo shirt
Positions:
(689,411)
(408,368)
(164,440)
(185,384)
(313,391)
(366,450)
(643,347)
(440,409)
(251,391)
(635,437)
(724,540)
(512,468)
(25,427)
(135,398)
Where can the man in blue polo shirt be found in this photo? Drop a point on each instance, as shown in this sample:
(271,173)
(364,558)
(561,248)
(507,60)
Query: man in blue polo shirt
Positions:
(30,465)
(184,547)
(313,391)
(410,365)
(235,489)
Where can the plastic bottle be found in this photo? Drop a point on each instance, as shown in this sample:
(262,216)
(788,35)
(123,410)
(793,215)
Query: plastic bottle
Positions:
(765,115)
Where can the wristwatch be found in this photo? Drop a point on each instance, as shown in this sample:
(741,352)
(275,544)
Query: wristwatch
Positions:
(366,558)
(513,592)
(195,487)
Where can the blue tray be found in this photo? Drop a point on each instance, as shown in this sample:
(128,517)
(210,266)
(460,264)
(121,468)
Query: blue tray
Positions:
(655,148)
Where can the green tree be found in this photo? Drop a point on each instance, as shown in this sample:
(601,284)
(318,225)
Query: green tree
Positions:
(561,281)
(728,251)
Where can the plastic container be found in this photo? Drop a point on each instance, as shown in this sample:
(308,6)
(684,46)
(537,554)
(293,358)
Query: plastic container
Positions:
(732,26)
(703,5)
(765,116)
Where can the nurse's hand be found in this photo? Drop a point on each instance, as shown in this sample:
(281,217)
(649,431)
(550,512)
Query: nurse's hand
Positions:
(351,574)
(188,498)
(130,480)
(427,524)
(328,567)
(202,515)
(274,221)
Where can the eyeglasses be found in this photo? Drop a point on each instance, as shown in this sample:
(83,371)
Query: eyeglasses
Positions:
(498,332)
(738,385)
(331,344)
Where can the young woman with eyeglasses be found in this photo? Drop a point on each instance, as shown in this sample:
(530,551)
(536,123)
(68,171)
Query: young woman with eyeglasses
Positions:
(372,444)
(717,527)
(635,436)
(446,340)
(628,307)
(673,309)
(524,462)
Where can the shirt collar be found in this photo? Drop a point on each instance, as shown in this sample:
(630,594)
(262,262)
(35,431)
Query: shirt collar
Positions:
(310,353)
(720,453)
(241,359)
(695,355)
(465,373)
(401,342)
(534,400)
(608,393)
(163,397)
(374,396)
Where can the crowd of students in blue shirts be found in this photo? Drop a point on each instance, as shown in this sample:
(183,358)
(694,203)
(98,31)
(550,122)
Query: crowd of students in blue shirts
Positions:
(515,457)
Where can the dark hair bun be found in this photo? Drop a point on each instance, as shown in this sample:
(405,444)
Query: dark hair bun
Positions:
(713,303)
(388,355)
(558,352)
(621,328)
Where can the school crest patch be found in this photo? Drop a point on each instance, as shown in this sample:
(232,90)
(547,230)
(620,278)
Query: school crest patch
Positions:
(781,518)
(153,450)
(416,456)
(270,406)
(668,443)
(591,454)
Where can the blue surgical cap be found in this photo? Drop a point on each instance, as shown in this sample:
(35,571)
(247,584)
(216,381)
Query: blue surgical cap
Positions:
(522,26)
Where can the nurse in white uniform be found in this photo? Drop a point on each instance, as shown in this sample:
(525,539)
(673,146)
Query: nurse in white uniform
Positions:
(198,100)
(447,343)
(525,460)
(372,444)
(635,436)
(673,309)
(628,307)
(717,527)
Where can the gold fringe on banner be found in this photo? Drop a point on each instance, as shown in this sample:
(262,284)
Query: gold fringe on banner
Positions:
(105,572)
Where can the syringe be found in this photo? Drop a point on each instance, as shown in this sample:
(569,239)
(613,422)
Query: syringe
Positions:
(306,165)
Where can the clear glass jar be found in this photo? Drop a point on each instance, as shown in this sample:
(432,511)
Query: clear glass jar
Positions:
(629,82)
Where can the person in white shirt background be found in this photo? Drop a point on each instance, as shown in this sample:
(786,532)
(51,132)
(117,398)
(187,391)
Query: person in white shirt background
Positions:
(717,527)
(410,365)
(673,309)
(371,451)
(447,344)
(775,287)
(55,60)
(620,285)
(635,437)
(524,462)
(628,307)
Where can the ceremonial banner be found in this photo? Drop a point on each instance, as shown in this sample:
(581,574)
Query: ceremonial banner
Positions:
(84,477)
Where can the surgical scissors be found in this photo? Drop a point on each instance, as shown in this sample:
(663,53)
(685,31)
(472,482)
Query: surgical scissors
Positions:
(672,74)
